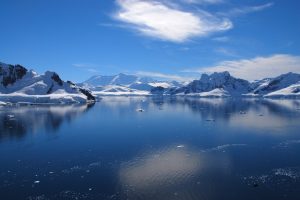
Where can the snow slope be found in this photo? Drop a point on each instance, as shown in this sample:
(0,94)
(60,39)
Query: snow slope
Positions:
(119,90)
(218,92)
(274,84)
(292,91)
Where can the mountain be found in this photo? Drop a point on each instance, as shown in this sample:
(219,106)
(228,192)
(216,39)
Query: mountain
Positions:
(119,79)
(124,84)
(19,84)
(271,85)
(216,84)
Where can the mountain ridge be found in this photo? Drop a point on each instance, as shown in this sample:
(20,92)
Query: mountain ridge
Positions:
(217,84)
(16,79)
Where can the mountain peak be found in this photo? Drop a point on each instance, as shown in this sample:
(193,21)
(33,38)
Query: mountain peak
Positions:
(123,74)
(215,76)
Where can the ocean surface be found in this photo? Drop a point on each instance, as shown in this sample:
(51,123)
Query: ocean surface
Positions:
(152,148)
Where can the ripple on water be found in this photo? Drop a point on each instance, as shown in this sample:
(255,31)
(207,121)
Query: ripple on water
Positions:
(161,174)
(280,177)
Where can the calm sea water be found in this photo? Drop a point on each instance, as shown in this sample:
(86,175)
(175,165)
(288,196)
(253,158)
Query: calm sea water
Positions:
(184,148)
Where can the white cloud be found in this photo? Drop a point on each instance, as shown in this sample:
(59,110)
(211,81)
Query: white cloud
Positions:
(256,68)
(247,9)
(204,1)
(158,20)
(165,76)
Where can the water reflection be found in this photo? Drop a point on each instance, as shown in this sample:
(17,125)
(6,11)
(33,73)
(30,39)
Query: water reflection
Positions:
(177,148)
(177,172)
(17,121)
(239,112)
(217,107)
(220,107)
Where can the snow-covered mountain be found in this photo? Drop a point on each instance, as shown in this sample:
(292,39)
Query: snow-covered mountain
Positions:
(17,84)
(216,84)
(222,84)
(119,79)
(124,84)
(271,85)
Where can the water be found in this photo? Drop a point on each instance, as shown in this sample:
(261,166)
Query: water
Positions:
(184,148)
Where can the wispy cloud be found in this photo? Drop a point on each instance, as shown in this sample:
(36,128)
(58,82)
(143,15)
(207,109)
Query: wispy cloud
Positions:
(165,76)
(256,68)
(92,68)
(204,1)
(246,9)
(160,20)
(226,51)
(221,39)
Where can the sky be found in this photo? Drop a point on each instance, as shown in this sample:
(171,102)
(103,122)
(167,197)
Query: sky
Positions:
(164,39)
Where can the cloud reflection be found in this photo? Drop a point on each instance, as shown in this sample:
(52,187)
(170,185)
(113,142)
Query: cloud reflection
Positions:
(169,173)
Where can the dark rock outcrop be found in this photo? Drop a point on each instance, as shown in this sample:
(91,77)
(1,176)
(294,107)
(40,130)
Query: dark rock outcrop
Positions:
(11,74)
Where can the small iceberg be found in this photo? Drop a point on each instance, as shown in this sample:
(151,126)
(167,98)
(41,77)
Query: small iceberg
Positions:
(140,110)
(10,116)
(2,103)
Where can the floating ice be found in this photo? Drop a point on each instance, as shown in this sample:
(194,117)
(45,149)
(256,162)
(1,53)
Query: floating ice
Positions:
(294,174)
(222,147)
(287,143)
(277,177)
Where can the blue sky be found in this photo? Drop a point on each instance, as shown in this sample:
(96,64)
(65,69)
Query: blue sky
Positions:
(161,38)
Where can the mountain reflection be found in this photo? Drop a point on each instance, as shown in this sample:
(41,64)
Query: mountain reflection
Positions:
(17,121)
(261,113)
(225,108)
